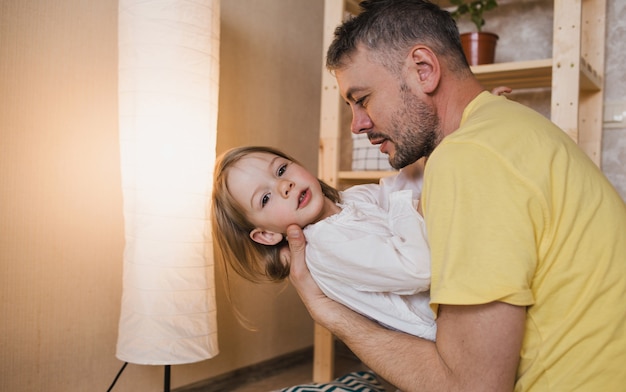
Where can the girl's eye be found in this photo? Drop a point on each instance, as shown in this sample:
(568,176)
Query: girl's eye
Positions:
(265,199)
(281,170)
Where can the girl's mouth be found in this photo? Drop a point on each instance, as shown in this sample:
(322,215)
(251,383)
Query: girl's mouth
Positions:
(304,198)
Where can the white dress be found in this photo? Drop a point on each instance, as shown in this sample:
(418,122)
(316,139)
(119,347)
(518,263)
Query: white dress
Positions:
(373,256)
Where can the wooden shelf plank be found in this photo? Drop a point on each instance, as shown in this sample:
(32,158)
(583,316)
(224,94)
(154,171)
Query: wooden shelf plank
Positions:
(532,74)
(590,79)
(516,75)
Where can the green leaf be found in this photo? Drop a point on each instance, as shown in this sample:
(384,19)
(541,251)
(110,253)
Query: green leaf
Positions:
(475,9)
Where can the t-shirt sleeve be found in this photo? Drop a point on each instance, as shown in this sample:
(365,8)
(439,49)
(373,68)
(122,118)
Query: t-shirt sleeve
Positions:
(483,221)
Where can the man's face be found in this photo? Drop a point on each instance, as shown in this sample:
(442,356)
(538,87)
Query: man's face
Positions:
(385,106)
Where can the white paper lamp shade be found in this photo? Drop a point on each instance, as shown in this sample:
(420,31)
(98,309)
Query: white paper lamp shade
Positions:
(168,91)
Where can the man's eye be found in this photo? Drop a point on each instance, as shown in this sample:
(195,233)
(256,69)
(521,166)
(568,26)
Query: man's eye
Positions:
(360,101)
(281,170)
(265,199)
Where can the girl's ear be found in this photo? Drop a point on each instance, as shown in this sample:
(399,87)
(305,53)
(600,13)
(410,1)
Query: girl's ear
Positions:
(264,237)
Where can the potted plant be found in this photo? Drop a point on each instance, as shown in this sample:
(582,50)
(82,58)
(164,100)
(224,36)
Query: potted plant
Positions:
(479,46)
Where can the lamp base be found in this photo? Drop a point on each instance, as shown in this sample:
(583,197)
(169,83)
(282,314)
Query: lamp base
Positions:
(166,378)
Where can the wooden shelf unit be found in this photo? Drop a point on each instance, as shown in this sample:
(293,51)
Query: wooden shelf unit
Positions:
(574,75)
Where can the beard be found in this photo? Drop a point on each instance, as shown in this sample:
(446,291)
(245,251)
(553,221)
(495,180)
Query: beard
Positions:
(414,130)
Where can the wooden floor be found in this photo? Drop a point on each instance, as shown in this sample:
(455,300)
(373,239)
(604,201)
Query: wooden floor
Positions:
(293,369)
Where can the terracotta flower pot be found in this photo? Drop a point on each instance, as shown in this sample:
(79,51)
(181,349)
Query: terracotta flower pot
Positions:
(479,48)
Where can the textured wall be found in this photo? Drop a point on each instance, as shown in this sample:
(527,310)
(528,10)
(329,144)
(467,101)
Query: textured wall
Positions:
(614,140)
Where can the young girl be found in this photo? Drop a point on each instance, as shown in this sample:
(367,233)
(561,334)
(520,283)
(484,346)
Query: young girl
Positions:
(366,246)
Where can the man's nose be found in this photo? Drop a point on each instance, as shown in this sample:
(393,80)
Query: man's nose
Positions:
(285,186)
(361,122)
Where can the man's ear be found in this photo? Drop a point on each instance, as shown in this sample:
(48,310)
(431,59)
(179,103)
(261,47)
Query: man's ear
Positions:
(264,237)
(426,64)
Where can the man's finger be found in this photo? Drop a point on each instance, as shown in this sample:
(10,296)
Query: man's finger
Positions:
(296,257)
(295,239)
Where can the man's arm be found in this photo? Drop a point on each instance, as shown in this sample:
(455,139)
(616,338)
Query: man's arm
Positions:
(477,346)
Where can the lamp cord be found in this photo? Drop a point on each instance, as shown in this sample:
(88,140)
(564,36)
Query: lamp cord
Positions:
(117,376)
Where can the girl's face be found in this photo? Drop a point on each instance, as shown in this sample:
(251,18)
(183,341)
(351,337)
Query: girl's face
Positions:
(275,193)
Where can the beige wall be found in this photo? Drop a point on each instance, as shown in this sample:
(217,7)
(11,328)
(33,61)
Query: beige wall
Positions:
(61,225)
(60,201)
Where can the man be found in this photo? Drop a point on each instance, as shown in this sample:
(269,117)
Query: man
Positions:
(528,238)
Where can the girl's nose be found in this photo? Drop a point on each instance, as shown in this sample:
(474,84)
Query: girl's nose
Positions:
(285,187)
(361,121)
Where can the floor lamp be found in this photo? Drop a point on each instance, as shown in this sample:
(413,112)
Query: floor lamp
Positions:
(168,89)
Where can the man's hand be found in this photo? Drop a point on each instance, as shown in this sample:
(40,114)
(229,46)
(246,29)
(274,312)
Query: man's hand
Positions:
(300,277)
(294,256)
(501,90)
(299,274)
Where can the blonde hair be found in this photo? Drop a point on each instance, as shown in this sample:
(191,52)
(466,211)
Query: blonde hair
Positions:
(231,228)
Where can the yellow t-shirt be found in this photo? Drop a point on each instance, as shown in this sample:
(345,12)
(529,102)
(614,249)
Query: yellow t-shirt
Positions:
(516,212)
